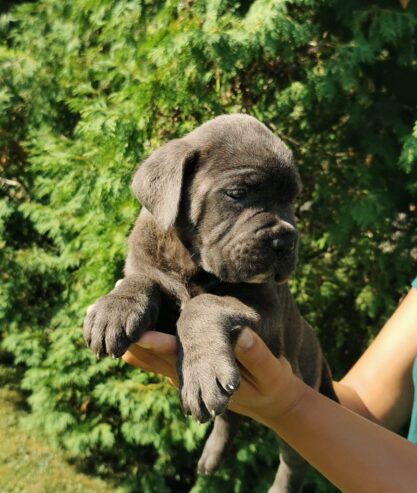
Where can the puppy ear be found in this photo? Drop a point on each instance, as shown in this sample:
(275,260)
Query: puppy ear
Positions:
(158,182)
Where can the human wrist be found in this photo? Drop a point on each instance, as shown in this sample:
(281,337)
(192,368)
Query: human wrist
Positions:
(281,408)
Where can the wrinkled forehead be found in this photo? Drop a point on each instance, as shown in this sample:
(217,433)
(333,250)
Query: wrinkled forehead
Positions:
(240,149)
(262,164)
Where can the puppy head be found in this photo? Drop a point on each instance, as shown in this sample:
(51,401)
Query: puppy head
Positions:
(228,188)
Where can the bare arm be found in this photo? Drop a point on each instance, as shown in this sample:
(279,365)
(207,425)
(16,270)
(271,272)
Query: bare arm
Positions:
(379,386)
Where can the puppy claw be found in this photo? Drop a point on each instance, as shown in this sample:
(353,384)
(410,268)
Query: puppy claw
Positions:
(237,328)
(213,413)
(230,387)
(97,356)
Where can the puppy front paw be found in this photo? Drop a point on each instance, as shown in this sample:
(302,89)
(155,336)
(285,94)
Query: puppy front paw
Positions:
(115,321)
(207,383)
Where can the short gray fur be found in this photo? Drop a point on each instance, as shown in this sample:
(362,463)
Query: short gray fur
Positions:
(210,253)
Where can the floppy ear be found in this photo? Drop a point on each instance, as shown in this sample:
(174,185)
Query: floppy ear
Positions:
(158,182)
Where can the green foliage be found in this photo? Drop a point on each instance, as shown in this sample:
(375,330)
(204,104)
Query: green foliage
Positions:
(89,88)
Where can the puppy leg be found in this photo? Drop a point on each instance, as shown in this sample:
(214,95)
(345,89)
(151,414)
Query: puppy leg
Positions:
(207,370)
(291,471)
(218,443)
(119,318)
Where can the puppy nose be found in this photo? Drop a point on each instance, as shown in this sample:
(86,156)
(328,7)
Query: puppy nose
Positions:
(285,241)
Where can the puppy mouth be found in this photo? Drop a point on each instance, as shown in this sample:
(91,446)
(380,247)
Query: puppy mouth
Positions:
(253,263)
(262,278)
(280,278)
(259,278)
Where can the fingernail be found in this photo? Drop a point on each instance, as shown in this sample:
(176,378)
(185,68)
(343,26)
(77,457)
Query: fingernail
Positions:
(142,342)
(246,339)
(144,345)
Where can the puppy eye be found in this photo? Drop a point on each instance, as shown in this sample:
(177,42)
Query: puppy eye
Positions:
(236,193)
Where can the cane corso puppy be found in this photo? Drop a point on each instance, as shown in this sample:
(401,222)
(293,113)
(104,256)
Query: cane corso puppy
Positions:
(210,253)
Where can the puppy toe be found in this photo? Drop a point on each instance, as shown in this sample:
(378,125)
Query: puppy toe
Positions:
(229,379)
(97,343)
(215,400)
(116,343)
(87,327)
(193,405)
(216,407)
(136,323)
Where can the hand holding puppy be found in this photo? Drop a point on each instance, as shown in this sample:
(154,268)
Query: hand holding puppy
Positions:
(268,387)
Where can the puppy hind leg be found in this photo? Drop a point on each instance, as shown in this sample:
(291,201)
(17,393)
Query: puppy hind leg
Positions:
(291,471)
(218,443)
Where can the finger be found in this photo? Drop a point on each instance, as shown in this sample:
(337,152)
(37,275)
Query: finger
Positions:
(147,360)
(260,366)
(160,343)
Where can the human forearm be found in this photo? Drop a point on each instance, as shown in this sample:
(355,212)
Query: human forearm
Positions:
(352,452)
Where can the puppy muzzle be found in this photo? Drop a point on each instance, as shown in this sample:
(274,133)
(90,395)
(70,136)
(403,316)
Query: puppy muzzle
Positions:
(253,260)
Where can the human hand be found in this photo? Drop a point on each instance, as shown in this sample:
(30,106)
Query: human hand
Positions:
(155,352)
(268,387)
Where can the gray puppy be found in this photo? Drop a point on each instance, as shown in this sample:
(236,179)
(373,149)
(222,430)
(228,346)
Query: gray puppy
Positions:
(210,253)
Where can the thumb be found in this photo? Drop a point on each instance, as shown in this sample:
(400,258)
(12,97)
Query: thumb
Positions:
(261,366)
(269,387)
